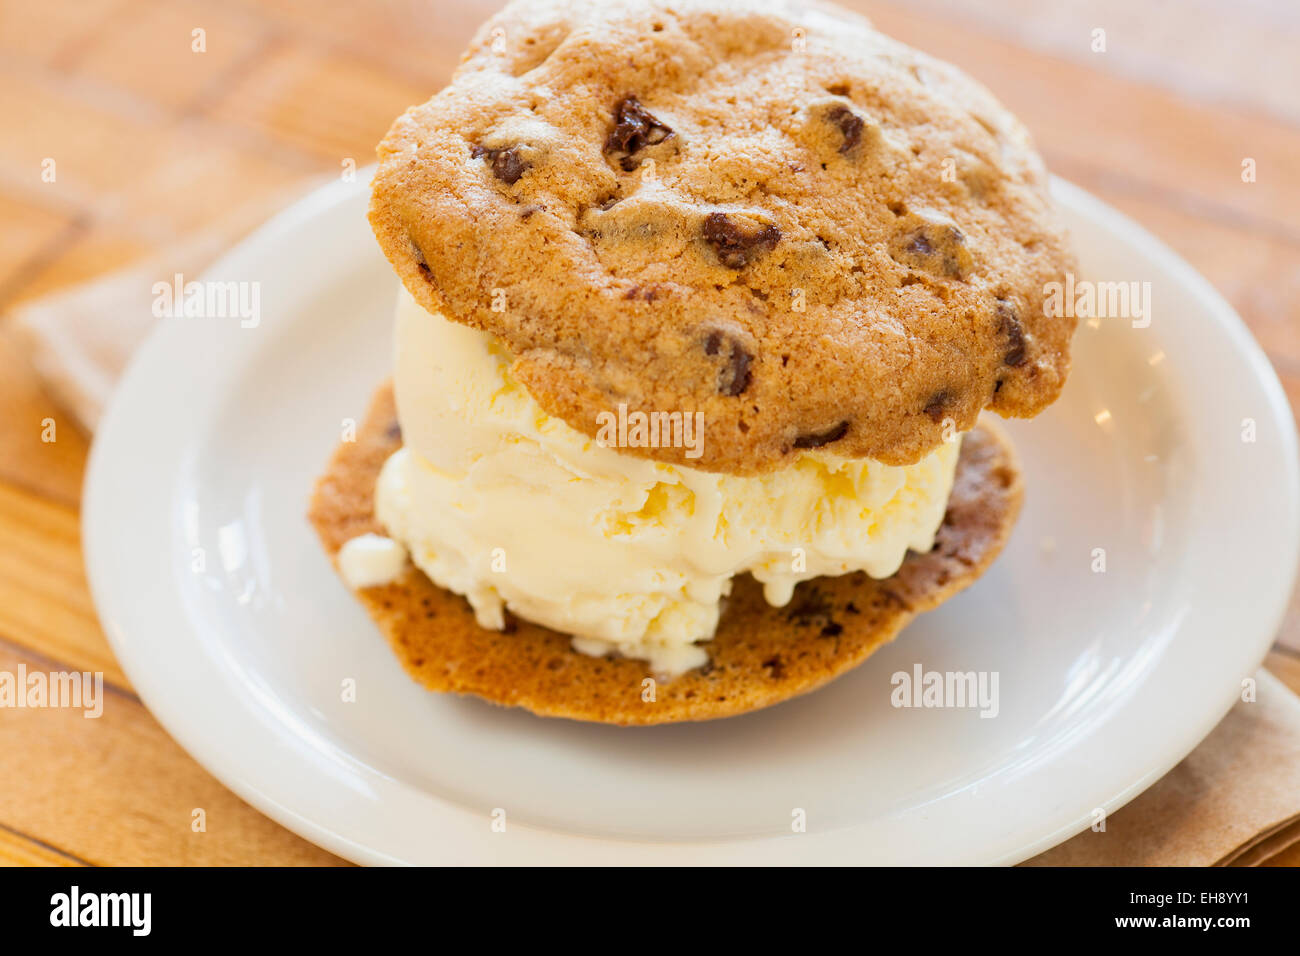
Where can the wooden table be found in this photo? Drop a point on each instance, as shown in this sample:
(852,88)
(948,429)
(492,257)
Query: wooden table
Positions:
(153,140)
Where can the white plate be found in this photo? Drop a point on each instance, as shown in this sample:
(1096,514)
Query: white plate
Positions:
(1106,680)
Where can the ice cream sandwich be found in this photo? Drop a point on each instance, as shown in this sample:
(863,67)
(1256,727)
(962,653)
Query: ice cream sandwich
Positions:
(700,305)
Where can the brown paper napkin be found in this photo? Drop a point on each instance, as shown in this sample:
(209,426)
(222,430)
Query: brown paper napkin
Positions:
(1234,801)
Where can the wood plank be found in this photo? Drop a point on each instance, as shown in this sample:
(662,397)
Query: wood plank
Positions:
(1198,49)
(414,40)
(1290,384)
(18,850)
(52,470)
(1288,635)
(117,790)
(42,32)
(239,179)
(1285,666)
(334,106)
(86,252)
(165,28)
(98,141)
(29,228)
(45,606)
(1170,144)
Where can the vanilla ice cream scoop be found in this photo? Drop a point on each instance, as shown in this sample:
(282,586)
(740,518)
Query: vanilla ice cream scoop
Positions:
(512,508)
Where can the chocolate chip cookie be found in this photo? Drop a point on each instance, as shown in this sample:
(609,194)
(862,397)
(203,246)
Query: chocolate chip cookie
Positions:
(766,212)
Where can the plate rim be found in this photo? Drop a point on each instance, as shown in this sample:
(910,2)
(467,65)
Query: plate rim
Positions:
(540,845)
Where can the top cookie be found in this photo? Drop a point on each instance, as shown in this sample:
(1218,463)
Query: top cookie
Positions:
(769,213)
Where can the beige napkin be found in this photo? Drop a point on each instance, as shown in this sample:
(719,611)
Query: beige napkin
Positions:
(1235,800)
(80,339)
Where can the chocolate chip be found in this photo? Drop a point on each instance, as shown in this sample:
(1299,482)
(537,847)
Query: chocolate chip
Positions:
(920,245)
(1009,326)
(506,164)
(737,242)
(420,261)
(818,439)
(646,292)
(938,406)
(634,129)
(888,596)
(849,124)
(735,375)
(393,432)
(937,246)
(810,605)
(776,665)
(811,608)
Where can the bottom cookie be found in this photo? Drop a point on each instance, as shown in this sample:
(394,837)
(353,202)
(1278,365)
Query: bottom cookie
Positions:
(761,654)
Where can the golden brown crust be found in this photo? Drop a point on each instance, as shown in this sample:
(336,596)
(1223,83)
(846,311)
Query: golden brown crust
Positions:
(841,236)
(761,654)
